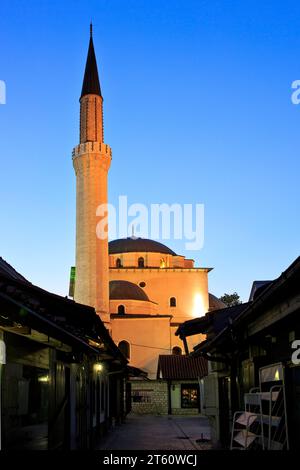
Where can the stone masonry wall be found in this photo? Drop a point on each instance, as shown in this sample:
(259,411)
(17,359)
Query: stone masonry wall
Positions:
(149,397)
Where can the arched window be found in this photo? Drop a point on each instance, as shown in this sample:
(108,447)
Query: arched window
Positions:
(162,263)
(177,351)
(119,263)
(121,309)
(141,262)
(124,347)
(173,302)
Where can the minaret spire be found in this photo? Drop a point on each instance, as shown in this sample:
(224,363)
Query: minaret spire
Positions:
(91,82)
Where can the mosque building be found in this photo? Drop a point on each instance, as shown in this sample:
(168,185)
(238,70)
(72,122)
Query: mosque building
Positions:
(141,289)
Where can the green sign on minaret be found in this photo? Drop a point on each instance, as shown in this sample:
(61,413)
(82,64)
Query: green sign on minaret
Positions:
(72,281)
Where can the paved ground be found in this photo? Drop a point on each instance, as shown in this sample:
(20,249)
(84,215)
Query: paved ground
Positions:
(158,433)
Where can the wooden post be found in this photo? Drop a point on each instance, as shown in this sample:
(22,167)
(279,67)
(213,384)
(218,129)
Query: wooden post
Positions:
(234,396)
(169,398)
(186,348)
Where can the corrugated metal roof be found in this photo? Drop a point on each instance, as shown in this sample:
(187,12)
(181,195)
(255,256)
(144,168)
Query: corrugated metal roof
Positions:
(173,367)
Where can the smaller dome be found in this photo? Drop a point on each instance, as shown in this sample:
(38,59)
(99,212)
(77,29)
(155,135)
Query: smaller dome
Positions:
(134,245)
(215,303)
(125,290)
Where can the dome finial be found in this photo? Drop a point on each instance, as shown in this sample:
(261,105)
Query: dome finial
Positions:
(133,237)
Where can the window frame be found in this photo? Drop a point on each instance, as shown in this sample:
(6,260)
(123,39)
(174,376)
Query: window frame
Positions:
(128,351)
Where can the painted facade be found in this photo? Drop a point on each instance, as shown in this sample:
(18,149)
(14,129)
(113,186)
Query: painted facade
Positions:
(177,291)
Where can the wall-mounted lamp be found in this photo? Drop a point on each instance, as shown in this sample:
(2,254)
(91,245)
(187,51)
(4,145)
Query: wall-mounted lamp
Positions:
(43,378)
(98,367)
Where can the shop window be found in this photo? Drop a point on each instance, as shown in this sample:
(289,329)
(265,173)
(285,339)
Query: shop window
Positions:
(189,396)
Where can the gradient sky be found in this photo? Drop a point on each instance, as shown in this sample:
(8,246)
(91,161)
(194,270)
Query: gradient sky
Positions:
(197,108)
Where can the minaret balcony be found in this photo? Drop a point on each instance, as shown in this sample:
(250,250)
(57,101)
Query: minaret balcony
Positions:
(91,147)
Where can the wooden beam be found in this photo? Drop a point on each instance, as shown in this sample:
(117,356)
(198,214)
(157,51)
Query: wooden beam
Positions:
(271,316)
(186,348)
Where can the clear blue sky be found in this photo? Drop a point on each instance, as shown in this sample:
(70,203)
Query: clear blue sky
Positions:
(197,100)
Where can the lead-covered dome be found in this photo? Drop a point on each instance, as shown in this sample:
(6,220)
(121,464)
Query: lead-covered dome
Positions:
(143,245)
(125,290)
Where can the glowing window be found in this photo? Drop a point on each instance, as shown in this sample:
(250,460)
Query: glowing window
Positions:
(189,396)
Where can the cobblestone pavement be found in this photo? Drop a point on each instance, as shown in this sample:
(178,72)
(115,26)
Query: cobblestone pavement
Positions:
(158,433)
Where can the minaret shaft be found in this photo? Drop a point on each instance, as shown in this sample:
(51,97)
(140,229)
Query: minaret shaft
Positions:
(91,119)
(91,161)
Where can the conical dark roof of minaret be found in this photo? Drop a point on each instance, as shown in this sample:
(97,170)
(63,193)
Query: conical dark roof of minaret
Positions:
(91,83)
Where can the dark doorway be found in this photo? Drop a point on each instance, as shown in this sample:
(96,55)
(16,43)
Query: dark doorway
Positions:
(224,411)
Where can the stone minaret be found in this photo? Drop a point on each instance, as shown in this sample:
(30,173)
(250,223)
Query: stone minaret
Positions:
(91,160)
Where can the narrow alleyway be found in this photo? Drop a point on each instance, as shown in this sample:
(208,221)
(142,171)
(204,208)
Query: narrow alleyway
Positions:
(159,433)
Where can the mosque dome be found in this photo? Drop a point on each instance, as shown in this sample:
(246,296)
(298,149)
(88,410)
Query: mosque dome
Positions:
(125,290)
(134,245)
